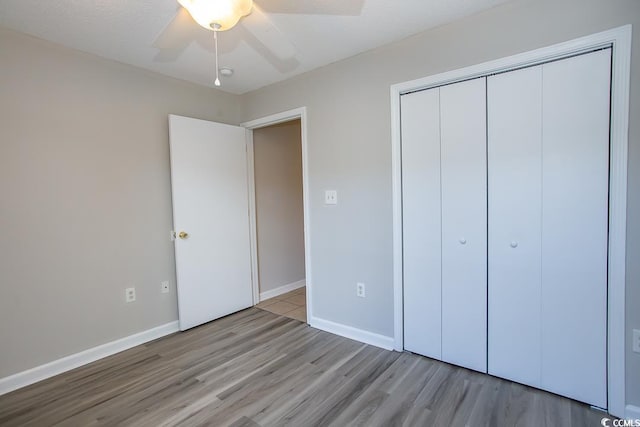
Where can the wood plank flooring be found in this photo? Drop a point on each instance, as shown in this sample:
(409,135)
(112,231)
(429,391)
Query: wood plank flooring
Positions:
(255,368)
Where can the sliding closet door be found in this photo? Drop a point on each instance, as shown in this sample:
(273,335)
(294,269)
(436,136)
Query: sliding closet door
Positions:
(421,221)
(515,223)
(575,171)
(464,223)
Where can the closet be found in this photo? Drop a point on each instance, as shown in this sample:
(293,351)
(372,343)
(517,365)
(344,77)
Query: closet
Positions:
(505,216)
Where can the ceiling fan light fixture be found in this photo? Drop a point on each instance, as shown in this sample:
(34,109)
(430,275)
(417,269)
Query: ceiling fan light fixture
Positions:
(217,15)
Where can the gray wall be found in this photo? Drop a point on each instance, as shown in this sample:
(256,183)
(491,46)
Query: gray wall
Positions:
(85,208)
(279,209)
(350,150)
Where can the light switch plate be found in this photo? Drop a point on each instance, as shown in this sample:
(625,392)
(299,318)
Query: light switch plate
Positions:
(330,197)
(636,340)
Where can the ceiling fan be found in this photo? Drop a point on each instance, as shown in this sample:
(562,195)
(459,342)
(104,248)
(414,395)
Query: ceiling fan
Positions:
(223,15)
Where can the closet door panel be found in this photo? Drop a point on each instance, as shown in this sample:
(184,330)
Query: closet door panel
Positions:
(464,224)
(514,114)
(576,94)
(421,222)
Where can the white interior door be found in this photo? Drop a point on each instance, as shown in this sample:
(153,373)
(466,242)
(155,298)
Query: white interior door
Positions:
(421,222)
(514,101)
(210,204)
(464,223)
(575,185)
(548,215)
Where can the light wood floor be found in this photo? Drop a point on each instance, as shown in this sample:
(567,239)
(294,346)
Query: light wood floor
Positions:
(292,304)
(257,368)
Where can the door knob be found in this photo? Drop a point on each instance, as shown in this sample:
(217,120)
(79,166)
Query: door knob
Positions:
(514,244)
(463,241)
(183,235)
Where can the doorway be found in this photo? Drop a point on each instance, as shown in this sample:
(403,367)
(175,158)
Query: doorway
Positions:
(278,215)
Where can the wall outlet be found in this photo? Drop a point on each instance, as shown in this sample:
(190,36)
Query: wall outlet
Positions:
(636,340)
(164,287)
(330,197)
(130,294)
(360,290)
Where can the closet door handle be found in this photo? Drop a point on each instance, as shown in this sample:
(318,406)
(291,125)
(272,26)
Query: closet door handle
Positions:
(514,244)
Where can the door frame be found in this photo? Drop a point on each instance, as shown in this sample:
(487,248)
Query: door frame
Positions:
(620,41)
(285,116)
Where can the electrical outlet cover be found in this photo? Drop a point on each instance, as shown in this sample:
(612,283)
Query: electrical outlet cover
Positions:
(330,197)
(360,290)
(130,294)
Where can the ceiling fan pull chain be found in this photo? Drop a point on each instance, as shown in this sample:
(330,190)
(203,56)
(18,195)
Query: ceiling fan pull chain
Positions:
(215,37)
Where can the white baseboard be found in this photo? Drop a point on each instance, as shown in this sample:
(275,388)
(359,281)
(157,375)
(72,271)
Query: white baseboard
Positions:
(632,412)
(282,290)
(39,373)
(352,333)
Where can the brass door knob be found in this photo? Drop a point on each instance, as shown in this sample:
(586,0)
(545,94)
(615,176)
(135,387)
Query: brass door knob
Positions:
(183,235)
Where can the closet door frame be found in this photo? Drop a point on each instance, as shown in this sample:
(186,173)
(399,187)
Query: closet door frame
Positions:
(619,39)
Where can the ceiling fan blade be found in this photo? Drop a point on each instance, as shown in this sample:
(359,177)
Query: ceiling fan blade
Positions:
(177,36)
(313,7)
(261,27)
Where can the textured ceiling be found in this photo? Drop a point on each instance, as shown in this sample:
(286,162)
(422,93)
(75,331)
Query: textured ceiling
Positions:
(280,39)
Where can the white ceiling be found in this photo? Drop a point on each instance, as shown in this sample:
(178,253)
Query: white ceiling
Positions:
(280,39)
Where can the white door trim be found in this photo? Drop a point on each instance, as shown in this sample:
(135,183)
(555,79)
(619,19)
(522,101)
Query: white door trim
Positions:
(285,116)
(620,40)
